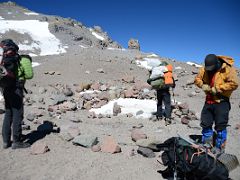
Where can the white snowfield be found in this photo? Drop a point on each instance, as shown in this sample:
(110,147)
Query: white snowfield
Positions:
(34,64)
(43,39)
(194,64)
(31,13)
(97,36)
(137,107)
(153,55)
(116,49)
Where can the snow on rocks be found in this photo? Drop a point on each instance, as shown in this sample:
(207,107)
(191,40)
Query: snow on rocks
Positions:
(47,43)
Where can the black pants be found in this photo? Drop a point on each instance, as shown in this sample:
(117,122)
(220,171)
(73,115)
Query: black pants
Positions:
(163,96)
(14,114)
(215,113)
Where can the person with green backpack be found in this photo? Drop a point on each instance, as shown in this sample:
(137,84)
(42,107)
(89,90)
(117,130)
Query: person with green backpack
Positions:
(14,71)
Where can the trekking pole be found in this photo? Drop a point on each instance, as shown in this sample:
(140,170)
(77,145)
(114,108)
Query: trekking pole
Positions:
(25,90)
(173,96)
(175,162)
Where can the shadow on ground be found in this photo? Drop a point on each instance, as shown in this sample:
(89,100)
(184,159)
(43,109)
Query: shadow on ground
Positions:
(42,130)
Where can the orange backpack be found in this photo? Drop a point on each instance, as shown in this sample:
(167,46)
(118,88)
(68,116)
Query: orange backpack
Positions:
(168,76)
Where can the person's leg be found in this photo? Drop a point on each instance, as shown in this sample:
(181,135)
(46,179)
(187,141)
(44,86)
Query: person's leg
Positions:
(222,116)
(159,113)
(207,119)
(17,119)
(17,101)
(167,103)
(7,121)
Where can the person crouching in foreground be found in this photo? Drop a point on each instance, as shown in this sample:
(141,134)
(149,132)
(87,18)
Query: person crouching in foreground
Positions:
(218,79)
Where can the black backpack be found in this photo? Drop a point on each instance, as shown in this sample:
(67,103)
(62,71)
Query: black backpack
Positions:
(9,63)
(182,159)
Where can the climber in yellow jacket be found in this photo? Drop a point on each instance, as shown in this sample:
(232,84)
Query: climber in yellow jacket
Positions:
(218,79)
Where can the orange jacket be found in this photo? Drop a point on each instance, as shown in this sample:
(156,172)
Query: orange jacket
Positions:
(226,80)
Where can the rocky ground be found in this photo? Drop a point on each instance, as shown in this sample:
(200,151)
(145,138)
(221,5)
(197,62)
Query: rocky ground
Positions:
(54,101)
(70,142)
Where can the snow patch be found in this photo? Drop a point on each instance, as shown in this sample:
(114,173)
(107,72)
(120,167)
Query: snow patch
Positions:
(43,40)
(82,46)
(152,55)
(98,36)
(178,67)
(117,49)
(89,92)
(137,107)
(1,18)
(194,64)
(34,64)
(31,13)
(31,54)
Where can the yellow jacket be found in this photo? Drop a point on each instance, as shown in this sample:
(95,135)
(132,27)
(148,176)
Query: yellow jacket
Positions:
(226,80)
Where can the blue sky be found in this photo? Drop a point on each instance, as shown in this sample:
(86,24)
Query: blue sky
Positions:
(186,30)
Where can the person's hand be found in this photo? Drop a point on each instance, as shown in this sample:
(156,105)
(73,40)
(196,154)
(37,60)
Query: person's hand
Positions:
(206,88)
(214,91)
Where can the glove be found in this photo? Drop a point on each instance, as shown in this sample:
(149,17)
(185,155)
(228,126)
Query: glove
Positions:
(214,91)
(206,88)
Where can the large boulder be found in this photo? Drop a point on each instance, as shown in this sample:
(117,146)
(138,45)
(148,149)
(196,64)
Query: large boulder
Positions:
(133,44)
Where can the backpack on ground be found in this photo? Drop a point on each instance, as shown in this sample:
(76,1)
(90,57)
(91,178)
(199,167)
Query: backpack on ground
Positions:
(161,77)
(186,162)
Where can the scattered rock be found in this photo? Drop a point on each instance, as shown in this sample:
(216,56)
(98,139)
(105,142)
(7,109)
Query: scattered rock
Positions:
(139,112)
(96,148)
(92,115)
(95,86)
(146,152)
(116,109)
(67,92)
(237,127)
(109,145)
(75,119)
(185,120)
(150,143)
(100,70)
(31,116)
(85,140)
(133,44)
(26,127)
(137,134)
(139,126)
(42,90)
(39,147)
(128,79)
